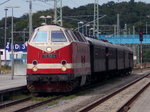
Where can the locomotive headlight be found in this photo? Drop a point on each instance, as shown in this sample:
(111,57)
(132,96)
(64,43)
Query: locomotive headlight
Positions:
(49,49)
(63,68)
(34,68)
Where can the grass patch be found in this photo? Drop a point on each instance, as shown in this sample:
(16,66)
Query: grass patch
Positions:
(17,97)
(41,98)
(52,103)
(5,69)
(84,92)
(69,97)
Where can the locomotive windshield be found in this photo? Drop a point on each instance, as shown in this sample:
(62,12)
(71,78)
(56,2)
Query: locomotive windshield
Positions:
(58,36)
(40,36)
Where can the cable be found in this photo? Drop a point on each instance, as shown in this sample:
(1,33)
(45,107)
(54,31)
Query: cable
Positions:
(4,2)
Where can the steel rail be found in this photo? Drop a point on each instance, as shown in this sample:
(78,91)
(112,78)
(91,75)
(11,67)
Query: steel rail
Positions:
(14,102)
(127,105)
(24,109)
(100,101)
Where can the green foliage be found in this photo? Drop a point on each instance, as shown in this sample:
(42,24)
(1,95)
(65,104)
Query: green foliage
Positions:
(69,97)
(131,13)
(41,98)
(146,55)
(53,103)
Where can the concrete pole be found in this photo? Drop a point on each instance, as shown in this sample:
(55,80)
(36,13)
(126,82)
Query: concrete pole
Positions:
(5,34)
(12,45)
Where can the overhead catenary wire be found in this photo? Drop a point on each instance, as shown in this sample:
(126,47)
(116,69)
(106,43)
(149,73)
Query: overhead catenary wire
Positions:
(91,22)
(4,2)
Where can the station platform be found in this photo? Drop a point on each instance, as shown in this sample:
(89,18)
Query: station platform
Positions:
(7,84)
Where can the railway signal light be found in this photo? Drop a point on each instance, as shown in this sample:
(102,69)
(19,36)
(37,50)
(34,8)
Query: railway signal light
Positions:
(141,36)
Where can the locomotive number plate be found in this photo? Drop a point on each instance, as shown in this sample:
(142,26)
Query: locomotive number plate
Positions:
(49,56)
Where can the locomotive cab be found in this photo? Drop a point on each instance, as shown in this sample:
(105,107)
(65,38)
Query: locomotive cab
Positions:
(56,54)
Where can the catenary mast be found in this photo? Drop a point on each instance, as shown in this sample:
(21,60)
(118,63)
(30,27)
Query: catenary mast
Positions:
(96,19)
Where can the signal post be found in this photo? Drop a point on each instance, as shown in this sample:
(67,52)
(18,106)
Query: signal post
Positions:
(141,51)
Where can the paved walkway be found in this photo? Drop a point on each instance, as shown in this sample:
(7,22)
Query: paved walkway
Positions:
(6,82)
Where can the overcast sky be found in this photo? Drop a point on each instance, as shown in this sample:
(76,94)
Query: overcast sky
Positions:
(38,5)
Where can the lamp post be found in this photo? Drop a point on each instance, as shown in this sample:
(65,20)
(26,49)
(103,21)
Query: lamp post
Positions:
(81,22)
(86,30)
(45,18)
(91,31)
(12,40)
(5,32)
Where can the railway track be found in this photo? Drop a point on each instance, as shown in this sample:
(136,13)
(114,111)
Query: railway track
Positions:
(25,104)
(106,102)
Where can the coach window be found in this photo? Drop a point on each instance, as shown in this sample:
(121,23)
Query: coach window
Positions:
(40,36)
(58,36)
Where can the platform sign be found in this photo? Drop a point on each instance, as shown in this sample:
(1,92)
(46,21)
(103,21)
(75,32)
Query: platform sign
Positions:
(17,47)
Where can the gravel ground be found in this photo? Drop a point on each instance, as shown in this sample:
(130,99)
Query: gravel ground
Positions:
(73,105)
(113,104)
(18,106)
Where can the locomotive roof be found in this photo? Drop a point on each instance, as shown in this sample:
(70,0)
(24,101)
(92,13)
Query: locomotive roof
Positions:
(47,27)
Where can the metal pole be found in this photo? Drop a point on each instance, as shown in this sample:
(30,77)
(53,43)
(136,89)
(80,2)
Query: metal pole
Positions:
(82,28)
(12,40)
(45,20)
(133,30)
(12,47)
(30,18)
(61,20)
(24,35)
(114,29)
(86,30)
(118,24)
(141,55)
(78,27)
(125,27)
(5,33)
(146,27)
(129,31)
(55,12)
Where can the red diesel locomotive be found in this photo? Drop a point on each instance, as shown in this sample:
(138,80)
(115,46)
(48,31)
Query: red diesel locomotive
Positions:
(59,59)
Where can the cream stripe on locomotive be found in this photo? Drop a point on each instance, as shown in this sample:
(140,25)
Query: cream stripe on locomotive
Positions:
(58,66)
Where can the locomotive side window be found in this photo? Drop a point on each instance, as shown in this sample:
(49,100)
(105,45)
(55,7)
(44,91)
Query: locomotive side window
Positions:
(68,35)
(77,34)
(75,38)
(58,36)
(40,36)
